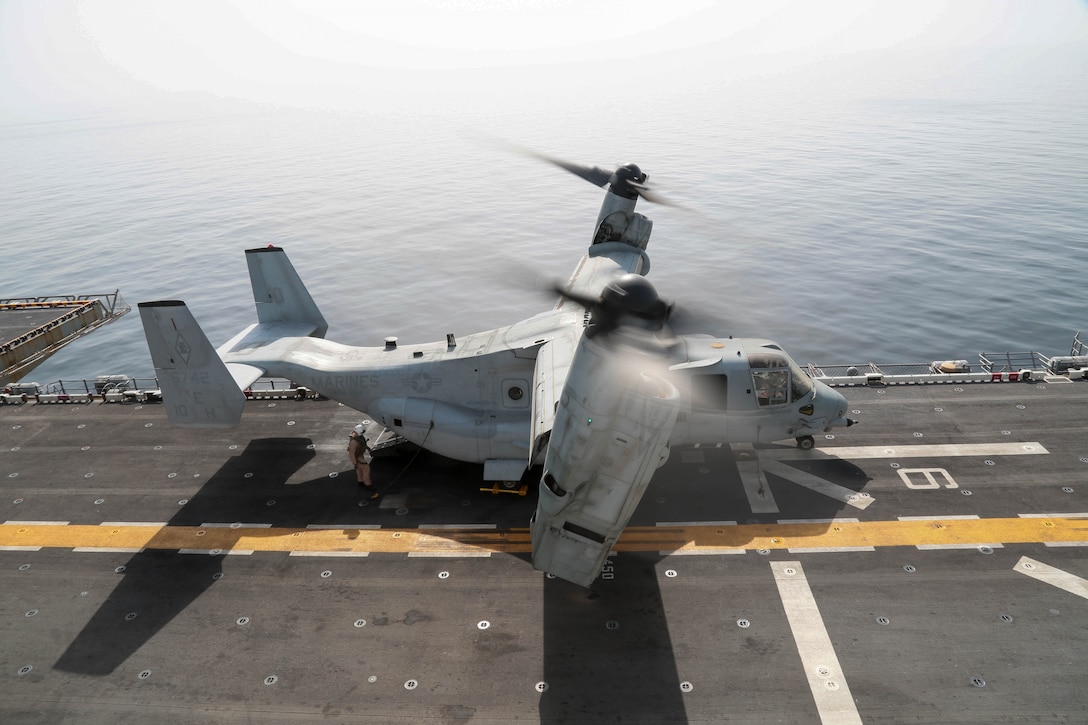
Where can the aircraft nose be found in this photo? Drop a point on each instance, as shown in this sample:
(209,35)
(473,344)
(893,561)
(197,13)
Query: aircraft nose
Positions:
(839,418)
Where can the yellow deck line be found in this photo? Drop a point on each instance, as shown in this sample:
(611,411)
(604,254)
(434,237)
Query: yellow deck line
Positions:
(949,532)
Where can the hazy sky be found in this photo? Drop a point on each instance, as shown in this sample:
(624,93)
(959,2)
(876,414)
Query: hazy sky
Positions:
(62,57)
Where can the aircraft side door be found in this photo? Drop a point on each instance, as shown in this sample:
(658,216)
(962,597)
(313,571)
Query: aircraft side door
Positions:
(704,385)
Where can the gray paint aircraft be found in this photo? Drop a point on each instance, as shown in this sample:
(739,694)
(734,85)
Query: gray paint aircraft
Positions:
(596,390)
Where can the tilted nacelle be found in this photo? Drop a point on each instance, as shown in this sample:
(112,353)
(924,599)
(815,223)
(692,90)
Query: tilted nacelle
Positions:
(611,432)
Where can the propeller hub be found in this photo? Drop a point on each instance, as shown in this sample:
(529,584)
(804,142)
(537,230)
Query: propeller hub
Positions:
(633,296)
(626,180)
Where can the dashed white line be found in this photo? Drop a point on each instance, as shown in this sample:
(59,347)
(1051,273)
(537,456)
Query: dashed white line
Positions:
(235,525)
(850,520)
(15,522)
(938,547)
(459,526)
(107,549)
(345,527)
(829,549)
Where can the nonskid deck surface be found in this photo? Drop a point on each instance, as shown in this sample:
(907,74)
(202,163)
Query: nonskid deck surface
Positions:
(927,565)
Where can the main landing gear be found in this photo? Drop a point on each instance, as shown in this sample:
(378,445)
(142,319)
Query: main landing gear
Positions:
(806,443)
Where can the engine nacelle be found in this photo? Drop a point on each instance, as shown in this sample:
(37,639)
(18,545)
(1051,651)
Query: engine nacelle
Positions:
(611,432)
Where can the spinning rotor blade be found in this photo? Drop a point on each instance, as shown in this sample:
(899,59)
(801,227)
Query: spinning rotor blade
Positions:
(685,320)
(621,178)
(590,303)
(593,174)
(654,197)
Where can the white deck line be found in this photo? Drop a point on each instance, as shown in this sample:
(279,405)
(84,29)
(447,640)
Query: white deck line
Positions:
(704,551)
(458,526)
(15,522)
(819,485)
(1053,576)
(217,552)
(752,477)
(20,548)
(233,525)
(1054,516)
(449,554)
(159,524)
(343,527)
(828,549)
(847,520)
(959,517)
(108,549)
(330,553)
(937,547)
(825,677)
(911,450)
(695,523)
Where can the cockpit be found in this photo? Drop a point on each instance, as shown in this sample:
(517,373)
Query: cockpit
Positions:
(776,379)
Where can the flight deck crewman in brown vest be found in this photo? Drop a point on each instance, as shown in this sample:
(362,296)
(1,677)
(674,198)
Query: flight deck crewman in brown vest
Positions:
(359,455)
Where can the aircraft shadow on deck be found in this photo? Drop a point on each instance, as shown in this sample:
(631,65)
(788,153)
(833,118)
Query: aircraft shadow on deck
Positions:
(157,584)
(606,650)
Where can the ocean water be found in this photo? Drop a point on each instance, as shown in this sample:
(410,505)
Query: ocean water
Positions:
(928,212)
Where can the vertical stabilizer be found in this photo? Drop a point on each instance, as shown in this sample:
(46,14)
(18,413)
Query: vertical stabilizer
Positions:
(197,389)
(278,291)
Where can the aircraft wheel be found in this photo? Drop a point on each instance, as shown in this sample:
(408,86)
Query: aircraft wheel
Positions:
(806,443)
(510,485)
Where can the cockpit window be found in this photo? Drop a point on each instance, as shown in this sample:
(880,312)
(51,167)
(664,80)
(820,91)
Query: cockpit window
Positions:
(767,360)
(772,386)
(777,379)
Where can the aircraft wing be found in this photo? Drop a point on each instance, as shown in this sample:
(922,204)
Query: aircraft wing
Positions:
(549,378)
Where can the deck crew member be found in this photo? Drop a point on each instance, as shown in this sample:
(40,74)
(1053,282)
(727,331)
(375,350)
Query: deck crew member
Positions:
(360,456)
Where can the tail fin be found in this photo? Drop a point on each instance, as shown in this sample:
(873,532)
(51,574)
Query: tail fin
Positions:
(197,388)
(279,292)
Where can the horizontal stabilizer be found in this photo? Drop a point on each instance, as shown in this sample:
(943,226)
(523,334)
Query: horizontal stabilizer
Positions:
(244,375)
(197,389)
(278,291)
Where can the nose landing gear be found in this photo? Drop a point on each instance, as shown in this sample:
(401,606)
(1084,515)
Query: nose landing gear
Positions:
(806,443)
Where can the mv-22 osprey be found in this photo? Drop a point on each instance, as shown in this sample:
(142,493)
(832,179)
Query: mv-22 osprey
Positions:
(595,390)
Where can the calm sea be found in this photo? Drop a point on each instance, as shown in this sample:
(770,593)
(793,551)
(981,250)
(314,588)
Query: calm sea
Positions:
(907,218)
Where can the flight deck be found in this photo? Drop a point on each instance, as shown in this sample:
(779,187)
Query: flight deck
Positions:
(927,565)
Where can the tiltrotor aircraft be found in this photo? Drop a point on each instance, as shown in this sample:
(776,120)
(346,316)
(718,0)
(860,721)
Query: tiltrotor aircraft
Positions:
(595,390)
